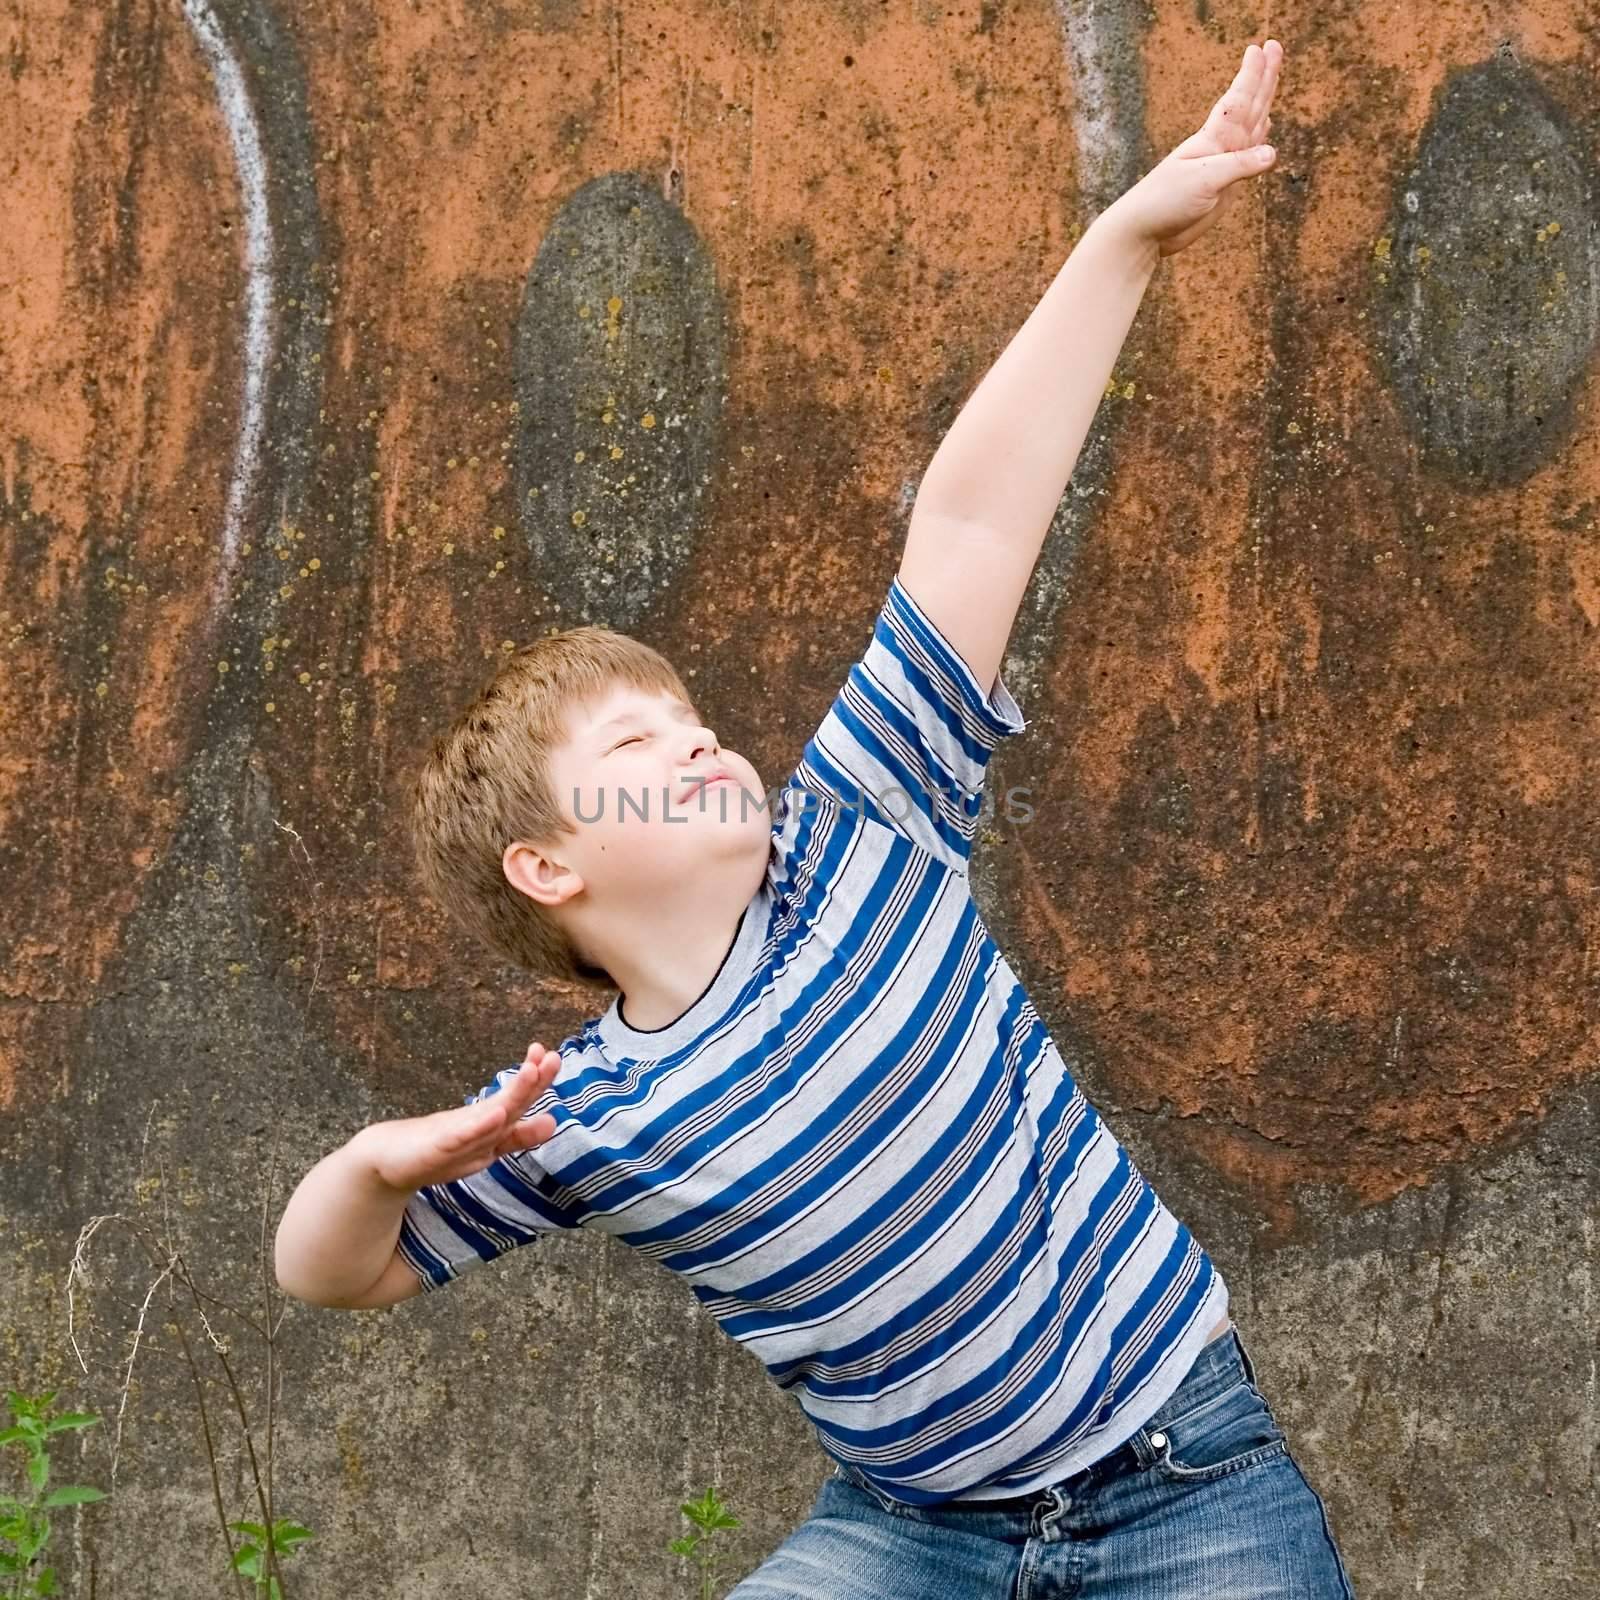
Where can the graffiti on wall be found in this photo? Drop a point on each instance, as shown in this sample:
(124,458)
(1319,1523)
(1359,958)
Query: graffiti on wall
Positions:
(341,357)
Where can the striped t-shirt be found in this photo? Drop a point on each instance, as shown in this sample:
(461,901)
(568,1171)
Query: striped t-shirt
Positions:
(860,1145)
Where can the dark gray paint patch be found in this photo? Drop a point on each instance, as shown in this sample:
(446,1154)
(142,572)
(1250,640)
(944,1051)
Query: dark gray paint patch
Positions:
(610,534)
(1486,317)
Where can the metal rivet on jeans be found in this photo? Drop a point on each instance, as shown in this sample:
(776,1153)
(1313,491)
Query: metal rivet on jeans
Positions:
(1158,1441)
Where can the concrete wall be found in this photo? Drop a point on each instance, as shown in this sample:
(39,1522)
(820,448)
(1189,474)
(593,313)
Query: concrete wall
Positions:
(306,314)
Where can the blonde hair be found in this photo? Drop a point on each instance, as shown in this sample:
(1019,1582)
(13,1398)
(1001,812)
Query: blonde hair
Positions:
(486,782)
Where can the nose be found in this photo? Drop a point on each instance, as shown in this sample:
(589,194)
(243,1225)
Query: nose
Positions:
(702,740)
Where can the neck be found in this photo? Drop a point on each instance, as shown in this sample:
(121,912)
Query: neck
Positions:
(671,952)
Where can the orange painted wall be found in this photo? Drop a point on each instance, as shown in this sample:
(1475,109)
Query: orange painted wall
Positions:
(341,349)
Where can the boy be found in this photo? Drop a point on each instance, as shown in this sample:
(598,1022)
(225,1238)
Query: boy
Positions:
(820,1093)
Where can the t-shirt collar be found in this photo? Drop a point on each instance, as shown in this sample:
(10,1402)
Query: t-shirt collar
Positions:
(737,965)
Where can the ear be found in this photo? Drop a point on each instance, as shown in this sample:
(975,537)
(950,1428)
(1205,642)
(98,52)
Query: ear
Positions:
(538,874)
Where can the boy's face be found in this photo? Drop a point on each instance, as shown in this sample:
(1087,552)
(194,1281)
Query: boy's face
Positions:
(636,778)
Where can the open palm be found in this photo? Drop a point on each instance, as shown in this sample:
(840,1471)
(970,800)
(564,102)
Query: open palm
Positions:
(1178,200)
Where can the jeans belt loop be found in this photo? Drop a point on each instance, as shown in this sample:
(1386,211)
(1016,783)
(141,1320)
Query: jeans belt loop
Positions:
(1245,1361)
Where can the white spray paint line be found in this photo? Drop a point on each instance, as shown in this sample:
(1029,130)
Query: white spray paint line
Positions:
(250,161)
(1104,129)
(1094,105)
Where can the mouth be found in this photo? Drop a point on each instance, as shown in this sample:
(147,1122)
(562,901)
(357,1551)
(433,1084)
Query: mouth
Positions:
(700,785)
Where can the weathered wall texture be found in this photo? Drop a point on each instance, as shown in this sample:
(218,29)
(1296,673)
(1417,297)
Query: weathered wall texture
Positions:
(340,346)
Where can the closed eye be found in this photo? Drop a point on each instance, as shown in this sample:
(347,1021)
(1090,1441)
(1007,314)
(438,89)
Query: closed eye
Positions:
(633,740)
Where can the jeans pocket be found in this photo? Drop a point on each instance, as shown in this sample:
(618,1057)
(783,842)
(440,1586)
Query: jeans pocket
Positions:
(1234,1430)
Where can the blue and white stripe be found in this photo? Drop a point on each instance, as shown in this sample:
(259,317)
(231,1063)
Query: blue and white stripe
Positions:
(860,1145)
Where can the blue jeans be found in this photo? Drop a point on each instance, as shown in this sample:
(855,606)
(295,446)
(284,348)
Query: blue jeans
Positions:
(1204,1502)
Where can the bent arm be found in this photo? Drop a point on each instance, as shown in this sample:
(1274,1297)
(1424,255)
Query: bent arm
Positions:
(336,1241)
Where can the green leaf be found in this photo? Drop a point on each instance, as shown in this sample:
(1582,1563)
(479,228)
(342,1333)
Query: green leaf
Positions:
(709,1512)
(286,1535)
(273,1589)
(10,1564)
(72,1495)
(695,1511)
(683,1546)
(247,1561)
(38,1470)
(45,1583)
(256,1530)
(71,1419)
(11,1435)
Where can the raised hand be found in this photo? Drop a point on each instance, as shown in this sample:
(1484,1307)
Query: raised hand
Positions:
(1178,200)
(413,1152)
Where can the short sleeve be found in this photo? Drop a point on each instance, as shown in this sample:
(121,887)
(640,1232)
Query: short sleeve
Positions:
(909,736)
(449,1228)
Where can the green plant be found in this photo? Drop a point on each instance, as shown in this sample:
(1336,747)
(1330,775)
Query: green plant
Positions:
(25,1524)
(251,1558)
(708,1515)
(258,1562)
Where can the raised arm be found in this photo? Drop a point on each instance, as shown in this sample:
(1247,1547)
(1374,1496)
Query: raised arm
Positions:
(986,500)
